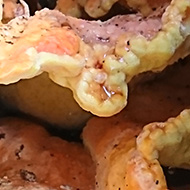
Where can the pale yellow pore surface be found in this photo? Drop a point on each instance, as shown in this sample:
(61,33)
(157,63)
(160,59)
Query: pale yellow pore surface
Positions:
(167,142)
(100,90)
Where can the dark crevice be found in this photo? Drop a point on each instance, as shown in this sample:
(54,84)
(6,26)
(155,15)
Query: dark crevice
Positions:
(177,178)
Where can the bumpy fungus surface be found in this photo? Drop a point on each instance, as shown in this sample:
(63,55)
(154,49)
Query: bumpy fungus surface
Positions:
(130,147)
(94,59)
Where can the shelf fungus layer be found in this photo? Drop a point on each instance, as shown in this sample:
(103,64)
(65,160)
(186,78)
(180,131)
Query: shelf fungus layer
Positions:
(129,156)
(94,59)
(100,8)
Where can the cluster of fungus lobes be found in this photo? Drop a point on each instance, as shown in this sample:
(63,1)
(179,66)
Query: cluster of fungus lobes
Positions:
(99,8)
(129,156)
(94,59)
